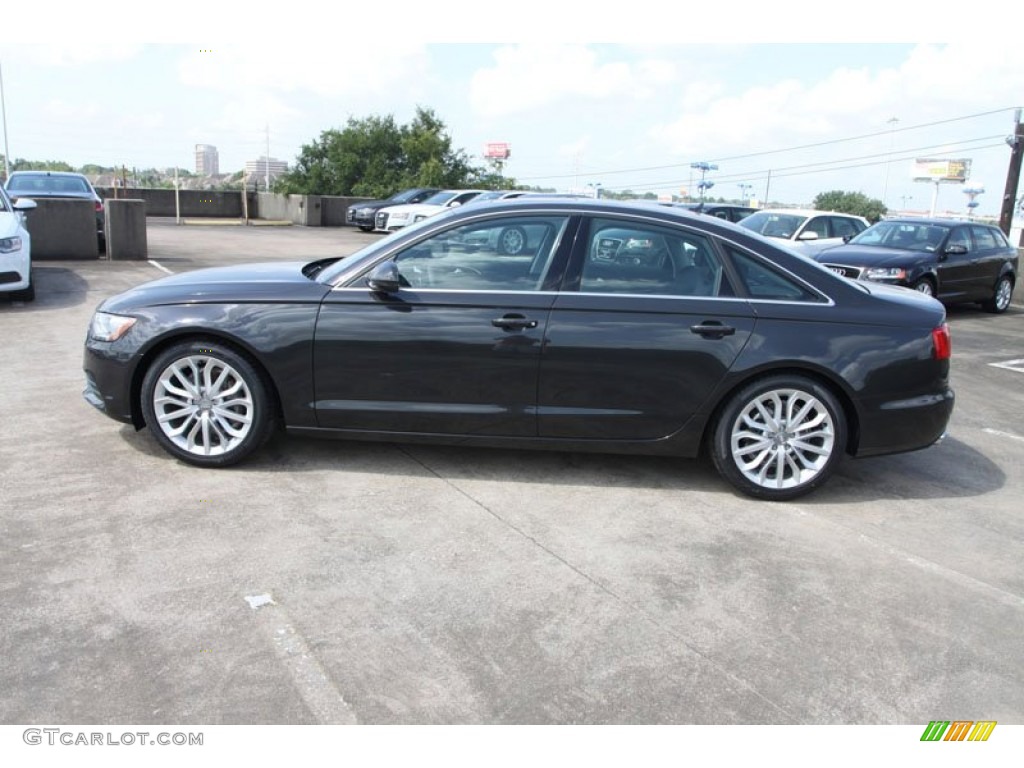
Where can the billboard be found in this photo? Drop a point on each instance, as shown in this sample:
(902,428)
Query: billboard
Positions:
(497,150)
(949,171)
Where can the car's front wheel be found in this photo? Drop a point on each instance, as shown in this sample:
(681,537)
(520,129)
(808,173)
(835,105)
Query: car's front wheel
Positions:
(779,437)
(925,286)
(1000,300)
(206,404)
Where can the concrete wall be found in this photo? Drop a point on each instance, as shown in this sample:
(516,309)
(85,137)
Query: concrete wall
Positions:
(63,229)
(298,209)
(125,229)
(195,203)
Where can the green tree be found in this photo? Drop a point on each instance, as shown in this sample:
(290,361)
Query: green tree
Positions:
(375,157)
(856,203)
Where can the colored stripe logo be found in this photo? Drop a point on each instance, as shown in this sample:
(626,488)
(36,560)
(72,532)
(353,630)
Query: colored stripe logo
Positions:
(958,730)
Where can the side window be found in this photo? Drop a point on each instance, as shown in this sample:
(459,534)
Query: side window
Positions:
(626,258)
(960,236)
(765,282)
(983,237)
(818,224)
(843,227)
(512,254)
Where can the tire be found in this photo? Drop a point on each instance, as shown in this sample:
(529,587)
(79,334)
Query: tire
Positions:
(1001,296)
(925,286)
(512,241)
(365,228)
(206,404)
(757,445)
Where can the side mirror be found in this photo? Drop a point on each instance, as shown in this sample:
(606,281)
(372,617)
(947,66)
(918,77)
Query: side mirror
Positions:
(385,278)
(807,236)
(847,238)
(956,249)
(24,204)
(455,205)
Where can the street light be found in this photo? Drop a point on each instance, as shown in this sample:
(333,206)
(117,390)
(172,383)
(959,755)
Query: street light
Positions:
(702,185)
(745,196)
(972,192)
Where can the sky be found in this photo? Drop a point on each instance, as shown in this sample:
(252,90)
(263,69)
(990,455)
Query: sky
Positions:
(774,96)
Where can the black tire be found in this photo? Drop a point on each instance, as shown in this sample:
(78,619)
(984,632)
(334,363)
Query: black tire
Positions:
(782,464)
(512,241)
(1001,295)
(924,285)
(211,398)
(25,294)
(365,228)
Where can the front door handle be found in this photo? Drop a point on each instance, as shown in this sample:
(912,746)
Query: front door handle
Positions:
(712,329)
(514,323)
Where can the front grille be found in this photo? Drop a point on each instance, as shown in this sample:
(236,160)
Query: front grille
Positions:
(382,221)
(841,269)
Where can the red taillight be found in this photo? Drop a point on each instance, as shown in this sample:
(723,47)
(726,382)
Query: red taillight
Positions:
(942,343)
(99,207)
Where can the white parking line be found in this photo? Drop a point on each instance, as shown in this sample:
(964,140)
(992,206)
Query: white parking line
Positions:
(997,433)
(1010,365)
(311,681)
(160,266)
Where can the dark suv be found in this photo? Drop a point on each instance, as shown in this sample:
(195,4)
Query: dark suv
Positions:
(951,260)
(362,214)
(47,185)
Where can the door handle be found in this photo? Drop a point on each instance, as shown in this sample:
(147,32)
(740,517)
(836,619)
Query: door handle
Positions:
(514,323)
(712,329)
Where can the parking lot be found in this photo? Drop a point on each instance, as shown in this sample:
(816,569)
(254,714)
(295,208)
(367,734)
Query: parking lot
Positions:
(342,582)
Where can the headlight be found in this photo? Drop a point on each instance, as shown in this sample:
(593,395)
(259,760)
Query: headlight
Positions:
(108,327)
(885,273)
(10,244)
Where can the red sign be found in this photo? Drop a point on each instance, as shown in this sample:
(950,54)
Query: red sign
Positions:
(497,150)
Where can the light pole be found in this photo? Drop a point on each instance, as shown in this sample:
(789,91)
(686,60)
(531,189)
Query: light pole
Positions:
(972,192)
(744,195)
(703,185)
(3,108)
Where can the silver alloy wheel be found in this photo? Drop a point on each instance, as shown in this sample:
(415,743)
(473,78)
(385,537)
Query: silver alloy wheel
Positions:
(782,439)
(925,287)
(203,405)
(513,241)
(1003,293)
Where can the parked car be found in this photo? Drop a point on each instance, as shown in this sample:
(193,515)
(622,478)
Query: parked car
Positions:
(719,210)
(362,214)
(808,232)
(15,249)
(395,217)
(632,329)
(955,261)
(39,185)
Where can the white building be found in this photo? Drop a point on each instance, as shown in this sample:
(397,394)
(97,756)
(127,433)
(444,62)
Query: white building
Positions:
(207,161)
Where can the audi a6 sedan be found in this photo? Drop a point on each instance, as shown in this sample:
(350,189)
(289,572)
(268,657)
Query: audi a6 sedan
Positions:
(955,261)
(620,328)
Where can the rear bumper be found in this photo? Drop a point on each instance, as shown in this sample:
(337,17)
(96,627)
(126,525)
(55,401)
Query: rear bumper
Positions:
(897,426)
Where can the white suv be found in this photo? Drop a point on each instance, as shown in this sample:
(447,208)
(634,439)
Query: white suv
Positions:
(808,232)
(15,250)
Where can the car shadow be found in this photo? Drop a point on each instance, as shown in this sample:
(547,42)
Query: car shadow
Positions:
(56,288)
(951,469)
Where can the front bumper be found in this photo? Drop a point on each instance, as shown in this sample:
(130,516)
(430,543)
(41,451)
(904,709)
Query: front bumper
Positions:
(108,381)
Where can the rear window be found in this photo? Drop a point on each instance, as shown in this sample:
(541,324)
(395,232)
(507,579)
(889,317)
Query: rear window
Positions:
(42,183)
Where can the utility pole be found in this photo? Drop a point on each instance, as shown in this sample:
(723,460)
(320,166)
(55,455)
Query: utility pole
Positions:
(1016,143)
(3,108)
(267,166)
(885,190)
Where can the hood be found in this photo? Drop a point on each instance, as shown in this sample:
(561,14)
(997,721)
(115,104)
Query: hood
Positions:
(872,256)
(272,282)
(412,209)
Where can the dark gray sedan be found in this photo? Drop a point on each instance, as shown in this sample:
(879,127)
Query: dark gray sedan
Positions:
(621,328)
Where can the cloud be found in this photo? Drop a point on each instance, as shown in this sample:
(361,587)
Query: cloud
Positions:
(531,76)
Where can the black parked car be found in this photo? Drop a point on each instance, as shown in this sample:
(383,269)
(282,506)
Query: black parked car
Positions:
(362,214)
(954,261)
(47,185)
(718,210)
(623,328)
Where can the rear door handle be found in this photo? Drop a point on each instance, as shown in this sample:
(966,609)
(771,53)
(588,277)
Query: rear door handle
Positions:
(514,323)
(712,329)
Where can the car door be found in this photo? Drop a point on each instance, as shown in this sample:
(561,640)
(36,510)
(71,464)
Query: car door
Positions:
(989,256)
(645,328)
(454,350)
(956,268)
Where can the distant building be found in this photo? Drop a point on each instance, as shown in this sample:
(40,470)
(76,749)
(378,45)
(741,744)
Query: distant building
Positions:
(258,170)
(207,161)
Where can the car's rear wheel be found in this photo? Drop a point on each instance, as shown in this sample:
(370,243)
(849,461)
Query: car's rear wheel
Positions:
(1001,296)
(206,404)
(925,286)
(512,241)
(779,437)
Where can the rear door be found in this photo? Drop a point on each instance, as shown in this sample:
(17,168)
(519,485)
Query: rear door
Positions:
(989,256)
(645,328)
(957,278)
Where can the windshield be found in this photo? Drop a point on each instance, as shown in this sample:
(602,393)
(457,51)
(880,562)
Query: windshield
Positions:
(902,235)
(783,225)
(405,197)
(439,198)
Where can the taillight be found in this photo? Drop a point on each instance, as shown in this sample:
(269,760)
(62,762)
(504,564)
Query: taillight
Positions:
(941,342)
(99,207)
